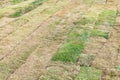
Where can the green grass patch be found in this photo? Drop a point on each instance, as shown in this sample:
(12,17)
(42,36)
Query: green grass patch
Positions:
(69,52)
(7,68)
(106,17)
(89,73)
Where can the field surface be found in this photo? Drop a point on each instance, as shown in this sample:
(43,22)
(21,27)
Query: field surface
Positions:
(59,39)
